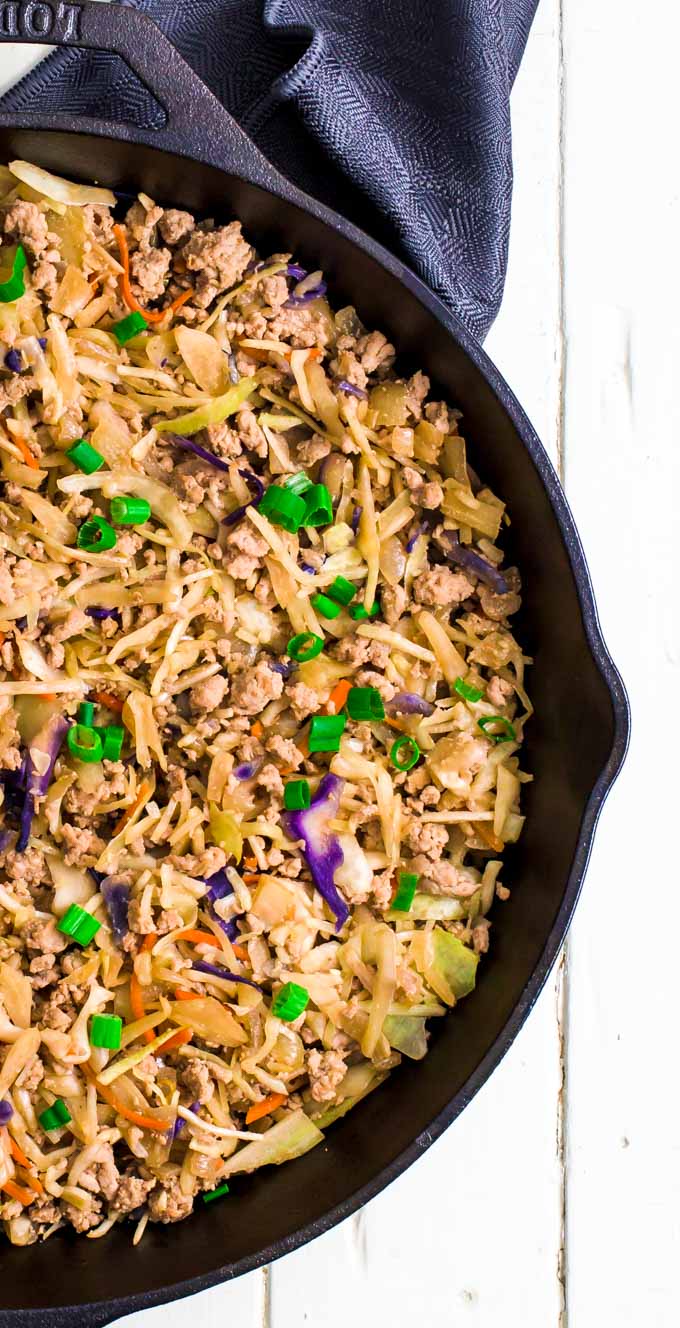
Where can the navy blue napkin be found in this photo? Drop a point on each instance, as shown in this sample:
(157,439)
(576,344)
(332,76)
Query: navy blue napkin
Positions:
(394,112)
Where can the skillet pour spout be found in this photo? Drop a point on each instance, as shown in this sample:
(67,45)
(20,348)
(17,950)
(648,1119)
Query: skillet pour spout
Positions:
(202,161)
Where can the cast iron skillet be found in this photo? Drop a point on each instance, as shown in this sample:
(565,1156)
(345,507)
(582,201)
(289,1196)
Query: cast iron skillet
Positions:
(201,160)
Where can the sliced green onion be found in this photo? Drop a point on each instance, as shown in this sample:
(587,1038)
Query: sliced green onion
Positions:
(325,606)
(216,1194)
(52,1118)
(508,734)
(78,924)
(128,328)
(325,732)
(95,535)
(406,890)
(365,703)
(106,1031)
(318,506)
(282,508)
(405,752)
(297,795)
(465,690)
(290,1001)
(342,590)
(85,457)
(130,511)
(304,646)
(14,286)
(358,611)
(84,744)
(86,714)
(113,737)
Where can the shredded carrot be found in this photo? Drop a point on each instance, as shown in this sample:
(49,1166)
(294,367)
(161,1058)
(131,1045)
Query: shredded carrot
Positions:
(257,729)
(129,813)
(265,1107)
(176,1040)
(18,1153)
(25,1197)
(144,1122)
(151,315)
(240,952)
(251,878)
(136,996)
(338,697)
(250,863)
(186,995)
(111,702)
(2,638)
(27,454)
(48,696)
(198,937)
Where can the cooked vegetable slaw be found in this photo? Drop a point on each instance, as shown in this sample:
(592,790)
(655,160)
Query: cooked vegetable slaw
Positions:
(260,709)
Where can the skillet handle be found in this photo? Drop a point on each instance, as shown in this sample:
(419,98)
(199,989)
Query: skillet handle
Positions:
(197,124)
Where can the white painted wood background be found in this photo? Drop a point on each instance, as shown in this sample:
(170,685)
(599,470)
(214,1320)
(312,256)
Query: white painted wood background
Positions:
(554,1202)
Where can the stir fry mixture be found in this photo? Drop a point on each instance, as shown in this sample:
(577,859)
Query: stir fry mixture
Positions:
(260,709)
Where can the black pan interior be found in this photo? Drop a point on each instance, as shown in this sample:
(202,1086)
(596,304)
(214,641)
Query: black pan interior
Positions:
(569,743)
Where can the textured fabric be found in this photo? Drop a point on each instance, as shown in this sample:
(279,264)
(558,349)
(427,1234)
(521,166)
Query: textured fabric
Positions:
(394,113)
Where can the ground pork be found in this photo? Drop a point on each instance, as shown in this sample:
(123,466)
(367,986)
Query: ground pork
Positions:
(210,694)
(58,1012)
(251,433)
(303,327)
(201,865)
(311,450)
(426,493)
(270,779)
(176,226)
(41,934)
(326,1071)
(480,935)
(498,691)
(285,750)
(442,878)
(197,1081)
(42,971)
(442,586)
(245,548)
(83,846)
(141,223)
(14,389)
(374,351)
(27,868)
(27,225)
(149,269)
(219,257)
(274,290)
(304,700)
(417,389)
(131,1193)
(224,441)
(166,1201)
(428,838)
(83,1219)
(254,688)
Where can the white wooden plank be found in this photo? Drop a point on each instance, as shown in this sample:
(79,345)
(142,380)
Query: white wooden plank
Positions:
(622,191)
(242,1303)
(472,1233)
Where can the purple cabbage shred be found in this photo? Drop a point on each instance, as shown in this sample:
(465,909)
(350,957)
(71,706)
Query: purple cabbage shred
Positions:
(212,970)
(352,390)
(409,703)
(219,886)
(6,1112)
(99,614)
(356,518)
(321,847)
(294,270)
(248,769)
(13,361)
(296,301)
(46,743)
(473,562)
(415,537)
(116,896)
